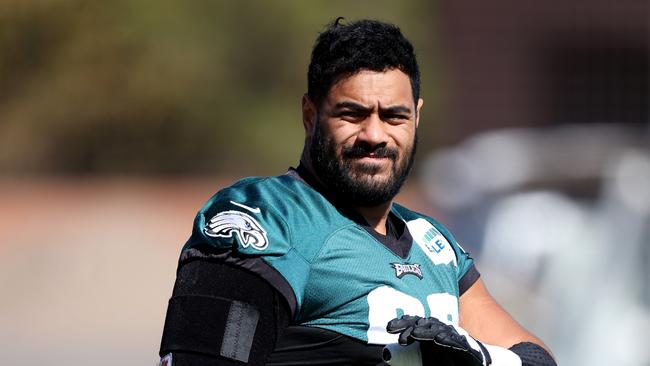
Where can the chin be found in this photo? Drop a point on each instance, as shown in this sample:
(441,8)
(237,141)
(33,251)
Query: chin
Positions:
(372,169)
(370,178)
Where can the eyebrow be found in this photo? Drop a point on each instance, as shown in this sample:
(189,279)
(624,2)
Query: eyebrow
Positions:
(352,106)
(397,109)
(362,108)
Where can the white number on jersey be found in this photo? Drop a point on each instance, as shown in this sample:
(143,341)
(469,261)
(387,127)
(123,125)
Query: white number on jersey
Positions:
(385,303)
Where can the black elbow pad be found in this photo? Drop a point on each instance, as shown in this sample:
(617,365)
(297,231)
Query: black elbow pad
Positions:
(221,315)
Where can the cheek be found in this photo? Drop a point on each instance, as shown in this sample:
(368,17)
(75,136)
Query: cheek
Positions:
(404,138)
(343,135)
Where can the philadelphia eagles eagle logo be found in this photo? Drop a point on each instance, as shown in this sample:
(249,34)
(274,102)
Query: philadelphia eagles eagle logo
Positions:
(248,230)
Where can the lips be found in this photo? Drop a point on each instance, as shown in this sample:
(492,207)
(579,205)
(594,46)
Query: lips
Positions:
(370,158)
(373,156)
(359,152)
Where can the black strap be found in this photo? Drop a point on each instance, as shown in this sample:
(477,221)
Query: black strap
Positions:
(209,325)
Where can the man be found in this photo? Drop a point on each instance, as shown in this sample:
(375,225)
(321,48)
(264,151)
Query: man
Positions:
(319,265)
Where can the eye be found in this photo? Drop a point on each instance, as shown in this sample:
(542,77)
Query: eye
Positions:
(352,115)
(396,117)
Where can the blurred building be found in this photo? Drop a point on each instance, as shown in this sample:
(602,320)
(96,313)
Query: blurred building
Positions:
(540,63)
(547,173)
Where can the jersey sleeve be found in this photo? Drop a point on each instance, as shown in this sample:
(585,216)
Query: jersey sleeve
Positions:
(246,226)
(467,273)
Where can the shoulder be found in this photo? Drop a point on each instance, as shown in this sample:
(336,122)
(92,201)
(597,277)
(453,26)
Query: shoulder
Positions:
(416,219)
(264,216)
(249,193)
(434,239)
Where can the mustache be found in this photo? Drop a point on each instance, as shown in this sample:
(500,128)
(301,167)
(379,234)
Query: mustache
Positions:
(361,150)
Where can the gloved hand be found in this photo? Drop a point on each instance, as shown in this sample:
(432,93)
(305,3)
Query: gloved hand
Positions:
(435,336)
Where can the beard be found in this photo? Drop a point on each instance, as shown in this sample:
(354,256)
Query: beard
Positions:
(356,183)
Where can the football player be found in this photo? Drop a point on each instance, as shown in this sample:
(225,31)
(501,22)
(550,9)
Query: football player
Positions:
(319,266)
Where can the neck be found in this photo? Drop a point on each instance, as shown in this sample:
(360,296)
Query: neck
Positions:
(305,161)
(376,216)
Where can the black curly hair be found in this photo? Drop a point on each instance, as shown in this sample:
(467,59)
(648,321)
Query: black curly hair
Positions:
(345,49)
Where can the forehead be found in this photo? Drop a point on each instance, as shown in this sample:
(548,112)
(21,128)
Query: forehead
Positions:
(371,87)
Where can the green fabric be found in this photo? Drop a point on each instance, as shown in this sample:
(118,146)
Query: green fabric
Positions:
(342,277)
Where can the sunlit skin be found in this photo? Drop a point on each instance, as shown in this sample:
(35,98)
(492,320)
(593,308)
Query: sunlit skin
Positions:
(369,107)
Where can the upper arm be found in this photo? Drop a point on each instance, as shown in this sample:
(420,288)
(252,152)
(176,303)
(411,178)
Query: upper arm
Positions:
(487,321)
(221,314)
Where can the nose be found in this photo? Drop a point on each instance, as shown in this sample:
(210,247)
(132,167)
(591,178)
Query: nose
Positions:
(372,131)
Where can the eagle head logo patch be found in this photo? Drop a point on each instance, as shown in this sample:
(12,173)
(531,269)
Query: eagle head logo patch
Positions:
(225,224)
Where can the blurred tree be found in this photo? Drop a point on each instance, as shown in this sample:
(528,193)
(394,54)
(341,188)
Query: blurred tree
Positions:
(139,87)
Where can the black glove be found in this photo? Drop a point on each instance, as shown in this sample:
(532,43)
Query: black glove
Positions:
(437,338)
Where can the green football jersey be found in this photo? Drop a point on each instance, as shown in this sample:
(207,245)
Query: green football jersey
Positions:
(335,273)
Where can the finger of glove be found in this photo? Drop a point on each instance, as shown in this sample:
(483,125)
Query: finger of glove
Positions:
(429,330)
(443,335)
(405,337)
(397,325)
(453,340)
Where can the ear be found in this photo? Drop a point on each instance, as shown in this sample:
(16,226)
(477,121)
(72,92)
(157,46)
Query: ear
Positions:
(309,115)
(417,112)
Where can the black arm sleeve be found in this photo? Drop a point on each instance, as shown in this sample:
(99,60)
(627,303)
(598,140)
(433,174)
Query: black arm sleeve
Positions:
(532,354)
(215,307)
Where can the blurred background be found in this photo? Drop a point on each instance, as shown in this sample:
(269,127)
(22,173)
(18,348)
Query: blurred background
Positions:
(119,119)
